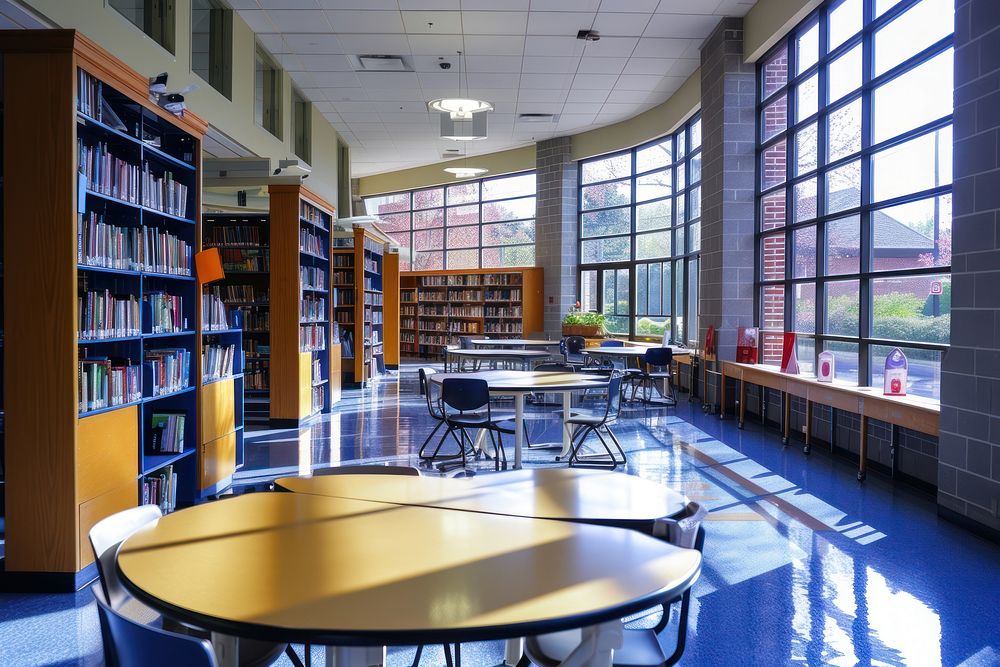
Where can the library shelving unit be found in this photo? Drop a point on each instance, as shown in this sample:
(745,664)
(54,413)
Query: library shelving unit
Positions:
(101,209)
(243,241)
(220,401)
(305,378)
(436,307)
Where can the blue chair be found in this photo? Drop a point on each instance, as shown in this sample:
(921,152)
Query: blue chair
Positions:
(466,406)
(658,361)
(612,342)
(572,350)
(596,422)
(129,642)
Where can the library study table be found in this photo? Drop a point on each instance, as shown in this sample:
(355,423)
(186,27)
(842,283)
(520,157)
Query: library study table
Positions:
(566,494)
(914,412)
(522,357)
(350,573)
(520,343)
(520,383)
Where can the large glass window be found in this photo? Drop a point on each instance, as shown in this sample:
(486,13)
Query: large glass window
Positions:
(267,93)
(301,126)
(640,234)
(488,223)
(212,44)
(153,17)
(854,205)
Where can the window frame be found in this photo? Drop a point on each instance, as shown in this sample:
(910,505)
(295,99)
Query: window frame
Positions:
(865,210)
(166,36)
(301,136)
(271,119)
(220,55)
(677,321)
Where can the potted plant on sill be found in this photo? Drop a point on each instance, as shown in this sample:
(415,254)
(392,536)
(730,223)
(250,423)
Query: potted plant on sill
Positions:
(581,323)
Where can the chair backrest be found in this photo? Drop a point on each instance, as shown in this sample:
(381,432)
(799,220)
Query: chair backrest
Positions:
(371,469)
(422,374)
(575,344)
(134,643)
(555,368)
(658,357)
(684,530)
(465,394)
(105,537)
(612,343)
(430,392)
(465,342)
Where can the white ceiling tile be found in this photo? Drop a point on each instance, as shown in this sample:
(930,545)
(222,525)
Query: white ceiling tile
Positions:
(537,107)
(582,107)
(494,80)
(493,63)
(611,47)
(734,7)
(432,23)
(336,79)
(551,64)
(314,43)
(258,20)
(559,23)
(352,21)
(325,108)
(394,95)
(651,47)
(358,4)
(433,5)
(341,95)
(323,63)
(304,80)
(494,23)
(440,80)
(570,121)
(558,81)
(244,4)
(431,63)
(690,26)
(314,94)
(493,45)
(536,45)
(688,7)
(595,81)
(407,80)
(625,96)
(565,5)
(657,66)
(601,65)
(584,95)
(487,5)
(359,115)
(393,116)
(670,83)
(640,6)
(287,4)
(274,43)
(684,67)
(542,95)
(289,62)
(611,24)
(298,20)
(383,44)
(435,45)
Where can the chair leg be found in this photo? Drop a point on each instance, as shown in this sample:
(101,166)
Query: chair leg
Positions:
(294,657)
(427,441)
(416,658)
(681,630)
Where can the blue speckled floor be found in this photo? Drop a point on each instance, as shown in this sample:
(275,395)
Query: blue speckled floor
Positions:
(803,564)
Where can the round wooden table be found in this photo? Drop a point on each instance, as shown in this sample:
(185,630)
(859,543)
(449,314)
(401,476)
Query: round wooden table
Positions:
(520,383)
(566,494)
(523,357)
(307,568)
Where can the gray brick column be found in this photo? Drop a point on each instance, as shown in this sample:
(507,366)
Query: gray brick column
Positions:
(969,449)
(556,228)
(727,192)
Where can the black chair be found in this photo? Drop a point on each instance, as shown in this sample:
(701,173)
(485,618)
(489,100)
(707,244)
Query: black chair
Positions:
(463,402)
(658,361)
(434,409)
(640,647)
(555,367)
(597,422)
(572,350)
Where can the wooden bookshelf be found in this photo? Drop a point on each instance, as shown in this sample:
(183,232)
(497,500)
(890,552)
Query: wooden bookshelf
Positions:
(301,305)
(220,407)
(360,283)
(243,241)
(391,289)
(436,307)
(70,465)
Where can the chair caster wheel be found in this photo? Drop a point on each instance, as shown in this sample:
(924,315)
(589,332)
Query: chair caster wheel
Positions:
(861,476)
(806,449)
(784,441)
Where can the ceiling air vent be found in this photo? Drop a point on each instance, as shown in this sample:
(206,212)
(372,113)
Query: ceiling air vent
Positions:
(537,117)
(379,63)
(451,153)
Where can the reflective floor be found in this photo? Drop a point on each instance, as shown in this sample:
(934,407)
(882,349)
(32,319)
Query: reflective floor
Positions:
(802,564)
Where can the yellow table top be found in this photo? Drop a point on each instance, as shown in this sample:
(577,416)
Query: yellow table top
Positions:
(527,381)
(299,567)
(593,496)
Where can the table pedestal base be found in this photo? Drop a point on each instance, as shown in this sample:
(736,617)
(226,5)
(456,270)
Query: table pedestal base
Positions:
(227,649)
(355,656)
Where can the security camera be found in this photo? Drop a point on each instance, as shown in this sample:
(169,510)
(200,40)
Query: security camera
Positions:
(444,65)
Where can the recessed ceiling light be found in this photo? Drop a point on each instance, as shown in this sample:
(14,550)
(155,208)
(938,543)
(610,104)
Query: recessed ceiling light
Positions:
(465,172)
(459,108)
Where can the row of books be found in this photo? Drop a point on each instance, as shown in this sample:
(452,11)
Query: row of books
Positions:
(372,265)
(434,325)
(312,214)
(426,339)
(242,294)
(374,247)
(242,235)
(170,369)
(163,193)
(312,338)
(105,382)
(166,312)
(317,370)
(344,316)
(465,295)
(503,327)
(311,243)
(466,311)
(502,295)
(313,277)
(130,248)
(217,361)
(373,316)
(313,309)
(167,436)
(253,348)
(343,260)
(370,284)
(343,297)
(433,311)
(373,299)
(408,296)
(107,174)
(318,397)
(372,336)
(504,311)
(433,296)
(106,315)
(407,338)
(161,489)
(472,279)
(214,315)
(343,277)
(408,310)
(89,96)
(257,375)
(254,319)
(347,344)
(408,323)
(237,261)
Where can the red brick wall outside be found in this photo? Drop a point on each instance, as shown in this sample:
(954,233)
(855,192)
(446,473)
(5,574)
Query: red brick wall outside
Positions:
(773,213)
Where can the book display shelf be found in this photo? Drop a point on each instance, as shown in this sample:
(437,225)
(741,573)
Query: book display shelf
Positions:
(220,401)
(244,246)
(301,318)
(101,266)
(436,307)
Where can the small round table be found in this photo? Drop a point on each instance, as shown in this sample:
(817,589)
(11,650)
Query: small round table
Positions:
(349,573)
(522,357)
(520,383)
(521,343)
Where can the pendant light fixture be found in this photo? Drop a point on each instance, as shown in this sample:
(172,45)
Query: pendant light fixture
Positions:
(465,171)
(462,118)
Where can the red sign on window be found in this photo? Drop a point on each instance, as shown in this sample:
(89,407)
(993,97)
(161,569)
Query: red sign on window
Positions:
(936,288)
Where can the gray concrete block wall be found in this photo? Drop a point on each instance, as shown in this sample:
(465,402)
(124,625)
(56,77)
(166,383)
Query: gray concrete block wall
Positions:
(556,227)
(969,461)
(727,220)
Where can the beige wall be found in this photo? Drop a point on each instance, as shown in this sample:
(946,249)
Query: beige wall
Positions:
(770,20)
(234,118)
